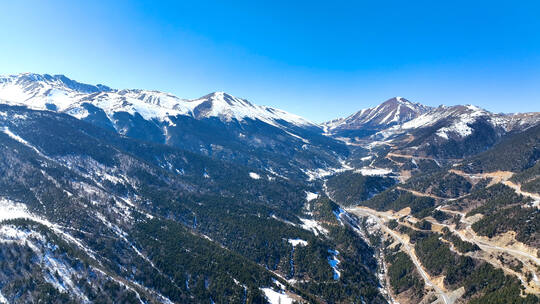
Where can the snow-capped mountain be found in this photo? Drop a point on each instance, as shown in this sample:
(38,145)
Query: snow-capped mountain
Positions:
(455,131)
(62,94)
(444,131)
(457,120)
(394,111)
(231,128)
(225,106)
(217,125)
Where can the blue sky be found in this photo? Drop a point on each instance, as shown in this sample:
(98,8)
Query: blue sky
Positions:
(317,59)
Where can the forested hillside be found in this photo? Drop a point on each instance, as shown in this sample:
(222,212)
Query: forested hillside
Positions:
(134,196)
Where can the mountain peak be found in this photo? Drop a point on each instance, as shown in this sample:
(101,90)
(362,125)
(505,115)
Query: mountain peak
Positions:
(58,81)
(397,99)
(228,107)
(395,110)
(224,99)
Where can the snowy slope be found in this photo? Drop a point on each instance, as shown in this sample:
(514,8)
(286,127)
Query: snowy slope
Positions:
(217,125)
(59,93)
(227,107)
(459,118)
(457,121)
(394,111)
(398,115)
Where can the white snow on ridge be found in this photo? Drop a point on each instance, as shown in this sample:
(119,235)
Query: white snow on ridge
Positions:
(221,104)
(442,133)
(461,125)
(18,138)
(460,128)
(394,110)
(460,116)
(10,234)
(66,273)
(36,241)
(44,92)
(22,141)
(295,136)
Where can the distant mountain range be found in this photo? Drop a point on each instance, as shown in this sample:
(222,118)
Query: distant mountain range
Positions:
(165,118)
(444,131)
(59,93)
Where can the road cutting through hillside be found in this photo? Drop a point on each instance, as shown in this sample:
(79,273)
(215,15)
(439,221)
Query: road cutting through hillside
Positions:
(466,234)
(502,177)
(390,154)
(469,235)
(361,211)
(499,177)
(417,193)
(517,187)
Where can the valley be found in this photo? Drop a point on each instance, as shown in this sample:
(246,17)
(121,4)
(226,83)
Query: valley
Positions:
(137,196)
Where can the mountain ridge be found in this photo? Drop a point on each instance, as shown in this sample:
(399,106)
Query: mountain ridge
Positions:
(443,131)
(394,111)
(43,91)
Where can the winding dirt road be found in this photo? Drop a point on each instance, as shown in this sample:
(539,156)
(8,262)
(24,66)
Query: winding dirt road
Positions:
(376,216)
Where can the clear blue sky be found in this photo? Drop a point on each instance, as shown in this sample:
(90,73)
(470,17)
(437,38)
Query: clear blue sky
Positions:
(320,60)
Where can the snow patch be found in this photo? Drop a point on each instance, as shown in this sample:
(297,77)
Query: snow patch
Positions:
(374,171)
(333,262)
(278,284)
(460,128)
(321,173)
(254,175)
(275,174)
(311,196)
(11,210)
(3,300)
(314,226)
(275,297)
(61,276)
(442,133)
(338,213)
(297,242)
(298,137)
(282,220)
